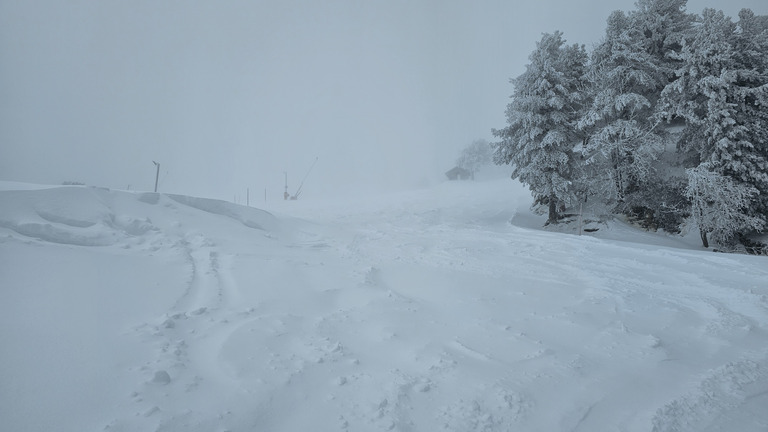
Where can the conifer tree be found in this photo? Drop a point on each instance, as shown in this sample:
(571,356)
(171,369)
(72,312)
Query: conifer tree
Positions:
(628,70)
(722,92)
(541,133)
(751,42)
(624,84)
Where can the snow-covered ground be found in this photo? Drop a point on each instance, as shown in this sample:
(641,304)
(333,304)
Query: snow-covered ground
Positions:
(438,309)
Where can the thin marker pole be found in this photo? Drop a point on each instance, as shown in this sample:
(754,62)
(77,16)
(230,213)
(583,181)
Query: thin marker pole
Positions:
(157,174)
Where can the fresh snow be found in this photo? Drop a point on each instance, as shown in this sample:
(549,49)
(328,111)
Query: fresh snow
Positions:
(443,309)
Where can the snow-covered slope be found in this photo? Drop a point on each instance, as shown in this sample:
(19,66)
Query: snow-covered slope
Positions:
(420,311)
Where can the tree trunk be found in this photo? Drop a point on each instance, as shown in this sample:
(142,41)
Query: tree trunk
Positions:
(704,241)
(553,217)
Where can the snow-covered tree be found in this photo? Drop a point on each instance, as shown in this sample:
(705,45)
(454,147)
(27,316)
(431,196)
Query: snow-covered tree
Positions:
(751,41)
(628,70)
(475,156)
(721,91)
(623,84)
(662,26)
(718,204)
(605,128)
(541,133)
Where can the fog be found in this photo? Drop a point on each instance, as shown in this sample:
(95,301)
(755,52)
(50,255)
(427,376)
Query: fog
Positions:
(230,95)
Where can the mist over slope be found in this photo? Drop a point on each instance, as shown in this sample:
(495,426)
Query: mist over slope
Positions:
(437,309)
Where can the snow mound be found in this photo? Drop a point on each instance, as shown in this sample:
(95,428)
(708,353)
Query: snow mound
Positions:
(250,217)
(85,216)
(67,215)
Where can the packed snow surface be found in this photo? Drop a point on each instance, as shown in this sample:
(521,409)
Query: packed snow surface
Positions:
(443,309)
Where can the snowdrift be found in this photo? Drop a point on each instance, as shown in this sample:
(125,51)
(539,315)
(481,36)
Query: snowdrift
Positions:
(418,311)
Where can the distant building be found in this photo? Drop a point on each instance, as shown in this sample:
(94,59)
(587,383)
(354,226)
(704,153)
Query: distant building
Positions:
(458,173)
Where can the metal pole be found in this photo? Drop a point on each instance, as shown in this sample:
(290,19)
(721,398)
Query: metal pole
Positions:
(285,194)
(248,197)
(157,174)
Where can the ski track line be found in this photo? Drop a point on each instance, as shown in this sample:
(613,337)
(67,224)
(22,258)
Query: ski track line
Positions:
(188,339)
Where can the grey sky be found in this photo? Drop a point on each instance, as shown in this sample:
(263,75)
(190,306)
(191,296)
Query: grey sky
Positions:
(229,94)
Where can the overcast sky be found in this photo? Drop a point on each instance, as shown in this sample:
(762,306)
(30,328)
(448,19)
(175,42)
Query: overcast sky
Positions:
(227,95)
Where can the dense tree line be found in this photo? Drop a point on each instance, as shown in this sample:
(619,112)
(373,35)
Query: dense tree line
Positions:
(666,120)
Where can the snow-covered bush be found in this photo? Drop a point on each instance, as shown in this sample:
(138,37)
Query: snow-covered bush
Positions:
(718,205)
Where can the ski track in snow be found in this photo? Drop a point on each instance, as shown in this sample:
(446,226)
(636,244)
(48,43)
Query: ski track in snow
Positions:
(425,314)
